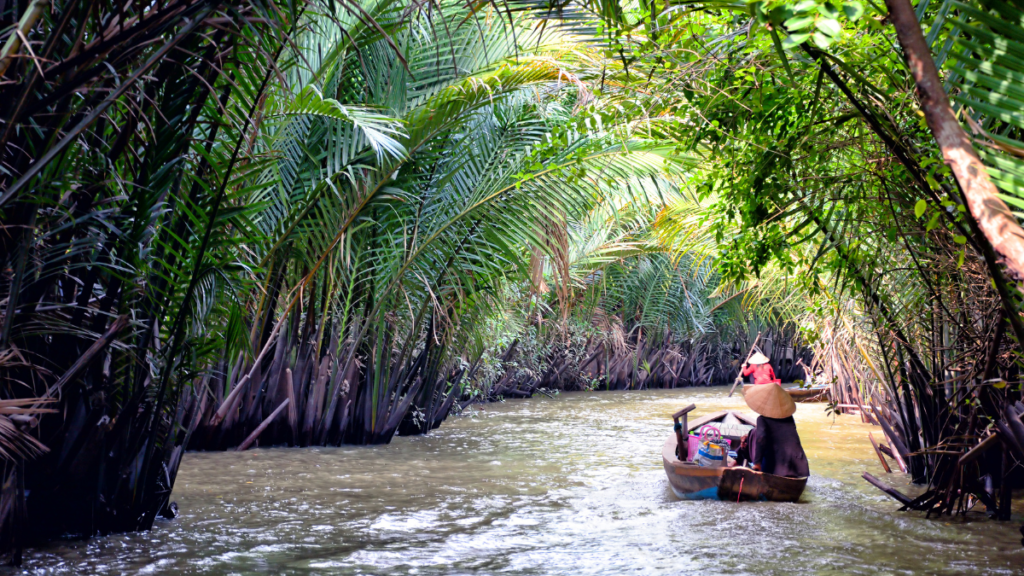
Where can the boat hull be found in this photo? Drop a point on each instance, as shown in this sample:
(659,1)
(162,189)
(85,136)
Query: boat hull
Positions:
(692,482)
(688,480)
(744,484)
(807,394)
(800,394)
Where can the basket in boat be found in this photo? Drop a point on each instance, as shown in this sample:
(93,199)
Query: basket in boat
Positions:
(694,439)
(712,448)
(692,446)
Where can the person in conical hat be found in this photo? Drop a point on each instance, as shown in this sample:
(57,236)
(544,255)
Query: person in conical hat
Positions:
(776,445)
(761,369)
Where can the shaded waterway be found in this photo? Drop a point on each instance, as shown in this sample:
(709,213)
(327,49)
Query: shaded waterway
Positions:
(566,486)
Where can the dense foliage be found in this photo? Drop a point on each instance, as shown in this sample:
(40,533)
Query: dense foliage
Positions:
(314,223)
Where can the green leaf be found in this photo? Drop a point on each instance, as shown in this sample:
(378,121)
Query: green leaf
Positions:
(853,10)
(794,40)
(829,26)
(920,207)
(798,23)
(960,239)
(782,55)
(821,40)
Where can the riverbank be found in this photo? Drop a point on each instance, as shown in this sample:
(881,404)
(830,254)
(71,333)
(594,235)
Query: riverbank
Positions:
(569,485)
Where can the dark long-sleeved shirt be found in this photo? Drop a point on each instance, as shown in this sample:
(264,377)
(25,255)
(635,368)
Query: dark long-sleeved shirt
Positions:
(777,448)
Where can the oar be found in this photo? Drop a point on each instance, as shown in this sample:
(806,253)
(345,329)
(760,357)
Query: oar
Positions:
(739,377)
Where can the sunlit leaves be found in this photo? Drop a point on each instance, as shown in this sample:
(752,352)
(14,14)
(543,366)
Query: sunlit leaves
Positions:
(381,132)
(853,10)
(804,20)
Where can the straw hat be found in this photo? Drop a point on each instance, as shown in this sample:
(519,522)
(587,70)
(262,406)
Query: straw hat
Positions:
(758,358)
(769,400)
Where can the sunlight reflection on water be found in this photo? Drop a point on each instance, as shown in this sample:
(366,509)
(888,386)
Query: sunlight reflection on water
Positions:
(572,485)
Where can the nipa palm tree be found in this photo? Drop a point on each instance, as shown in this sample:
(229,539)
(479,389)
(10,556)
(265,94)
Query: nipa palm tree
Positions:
(402,197)
(124,150)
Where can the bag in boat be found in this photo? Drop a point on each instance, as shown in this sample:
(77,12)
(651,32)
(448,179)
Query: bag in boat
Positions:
(713,448)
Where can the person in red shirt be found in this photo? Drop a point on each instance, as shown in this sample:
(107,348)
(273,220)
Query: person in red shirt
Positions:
(761,369)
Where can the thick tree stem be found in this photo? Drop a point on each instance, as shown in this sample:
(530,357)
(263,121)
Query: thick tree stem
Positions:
(994,218)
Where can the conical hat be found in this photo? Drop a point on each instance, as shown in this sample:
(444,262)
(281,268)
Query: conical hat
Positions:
(758,358)
(769,400)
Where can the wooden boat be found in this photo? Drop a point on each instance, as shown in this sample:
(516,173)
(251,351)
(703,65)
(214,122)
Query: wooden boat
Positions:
(690,481)
(815,394)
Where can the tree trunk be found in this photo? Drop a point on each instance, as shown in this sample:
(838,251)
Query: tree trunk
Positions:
(992,215)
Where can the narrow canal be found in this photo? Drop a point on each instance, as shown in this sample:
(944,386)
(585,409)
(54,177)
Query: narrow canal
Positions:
(565,486)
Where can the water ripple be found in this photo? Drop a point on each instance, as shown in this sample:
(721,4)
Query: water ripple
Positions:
(569,486)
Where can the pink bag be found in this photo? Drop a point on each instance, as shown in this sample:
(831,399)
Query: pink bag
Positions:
(712,450)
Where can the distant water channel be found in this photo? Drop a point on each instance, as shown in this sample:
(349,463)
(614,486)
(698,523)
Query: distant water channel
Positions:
(566,486)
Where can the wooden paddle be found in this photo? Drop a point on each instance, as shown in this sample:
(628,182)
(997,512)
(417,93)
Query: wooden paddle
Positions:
(739,377)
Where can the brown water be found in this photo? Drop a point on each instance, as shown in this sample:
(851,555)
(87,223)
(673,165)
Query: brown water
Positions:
(569,486)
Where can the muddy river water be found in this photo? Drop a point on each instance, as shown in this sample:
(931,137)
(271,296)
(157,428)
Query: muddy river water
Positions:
(566,486)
